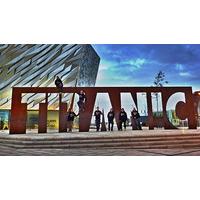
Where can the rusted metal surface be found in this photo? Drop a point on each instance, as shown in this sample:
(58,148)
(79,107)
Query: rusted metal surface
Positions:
(42,122)
(103,123)
(196,97)
(19,110)
(62,115)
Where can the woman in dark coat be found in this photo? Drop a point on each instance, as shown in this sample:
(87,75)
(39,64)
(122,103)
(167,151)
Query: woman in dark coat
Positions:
(135,120)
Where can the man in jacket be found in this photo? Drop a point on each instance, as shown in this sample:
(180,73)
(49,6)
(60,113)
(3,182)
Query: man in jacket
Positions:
(59,83)
(97,115)
(70,119)
(82,100)
(110,117)
(122,119)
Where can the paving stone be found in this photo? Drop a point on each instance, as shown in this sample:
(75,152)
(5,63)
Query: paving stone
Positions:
(8,151)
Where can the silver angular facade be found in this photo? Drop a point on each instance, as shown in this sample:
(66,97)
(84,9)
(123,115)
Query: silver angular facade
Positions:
(37,65)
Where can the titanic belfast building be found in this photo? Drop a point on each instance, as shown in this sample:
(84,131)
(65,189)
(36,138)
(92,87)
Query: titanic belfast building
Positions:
(37,65)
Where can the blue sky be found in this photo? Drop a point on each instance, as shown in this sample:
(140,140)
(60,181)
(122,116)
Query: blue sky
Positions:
(136,65)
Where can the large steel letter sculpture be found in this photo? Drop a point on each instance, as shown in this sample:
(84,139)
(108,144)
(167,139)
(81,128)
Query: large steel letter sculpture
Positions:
(19,110)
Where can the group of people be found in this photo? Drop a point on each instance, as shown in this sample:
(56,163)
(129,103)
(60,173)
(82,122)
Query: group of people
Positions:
(110,116)
(81,104)
(122,118)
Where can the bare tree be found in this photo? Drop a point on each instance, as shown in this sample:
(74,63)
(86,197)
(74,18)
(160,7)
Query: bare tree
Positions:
(159,81)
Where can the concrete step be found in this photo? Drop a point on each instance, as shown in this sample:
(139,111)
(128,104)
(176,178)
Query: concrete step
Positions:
(40,137)
(178,141)
(103,140)
(122,146)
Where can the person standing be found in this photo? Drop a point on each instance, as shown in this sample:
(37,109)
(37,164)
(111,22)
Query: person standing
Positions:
(59,83)
(135,120)
(82,100)
(1,124)
(70,120)
(110,116)
(122,119)
(97,115)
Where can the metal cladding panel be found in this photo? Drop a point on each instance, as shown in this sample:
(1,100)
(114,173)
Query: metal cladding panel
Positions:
(37,65)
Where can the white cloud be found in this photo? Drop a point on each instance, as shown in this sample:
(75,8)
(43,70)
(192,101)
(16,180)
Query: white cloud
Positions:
(107,65)
(179,67)
(136,63)
(112,66)
(185,74)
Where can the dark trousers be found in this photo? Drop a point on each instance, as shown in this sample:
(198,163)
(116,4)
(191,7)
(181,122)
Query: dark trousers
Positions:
(69,125)
(81,105)
(120,125)
(97,121)
(110,125)
(136,124)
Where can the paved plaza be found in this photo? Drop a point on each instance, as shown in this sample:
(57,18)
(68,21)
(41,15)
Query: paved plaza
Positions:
(5,151)
(92,133)
(10,151)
